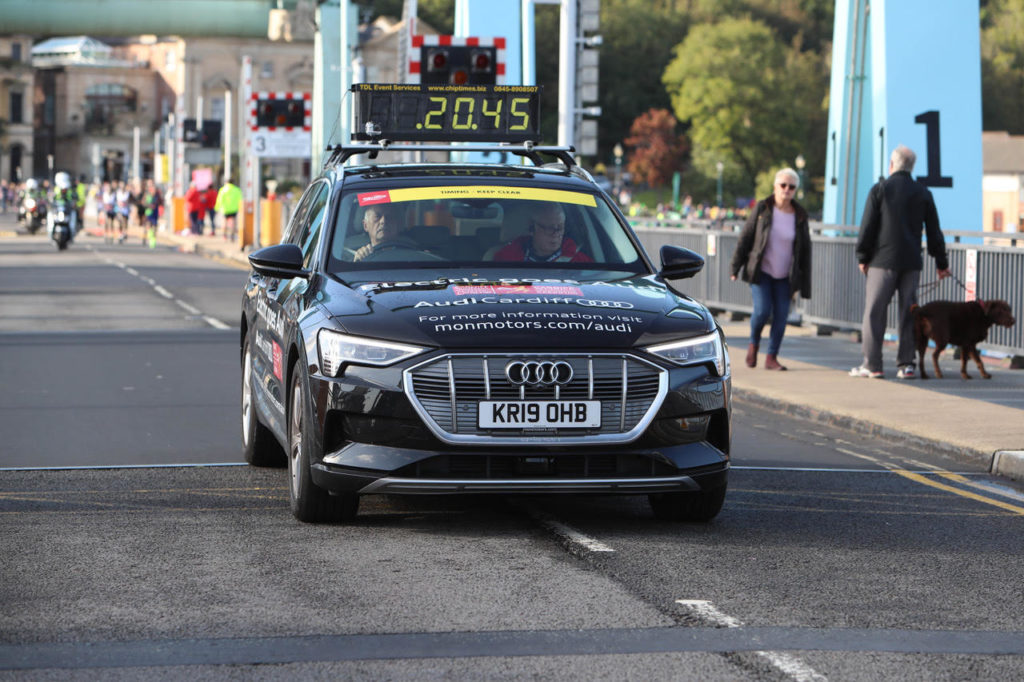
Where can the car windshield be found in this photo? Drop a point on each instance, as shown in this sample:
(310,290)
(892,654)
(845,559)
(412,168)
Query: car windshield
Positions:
(479,226)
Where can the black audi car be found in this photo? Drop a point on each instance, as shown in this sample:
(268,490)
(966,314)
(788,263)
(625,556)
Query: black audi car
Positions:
(456,327)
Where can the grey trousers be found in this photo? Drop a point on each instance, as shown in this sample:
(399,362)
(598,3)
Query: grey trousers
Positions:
(881,285)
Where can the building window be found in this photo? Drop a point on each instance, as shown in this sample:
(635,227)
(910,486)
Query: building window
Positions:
(49,110)
(997,221)
(268,70)
(16,51)
(17,103)
(105,101)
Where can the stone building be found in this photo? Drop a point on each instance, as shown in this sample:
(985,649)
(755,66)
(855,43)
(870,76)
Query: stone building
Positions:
(1002,181)
(91,95)
(15,107)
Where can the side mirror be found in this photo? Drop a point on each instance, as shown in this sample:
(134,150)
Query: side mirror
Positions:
(679,263)
(283,261)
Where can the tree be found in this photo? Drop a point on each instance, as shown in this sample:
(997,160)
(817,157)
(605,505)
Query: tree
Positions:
(658,151)
(438,13)
(638,39)
(749,99)
(1002,66)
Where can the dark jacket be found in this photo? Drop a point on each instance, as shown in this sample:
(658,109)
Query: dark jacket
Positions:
(746,261)
(890,232)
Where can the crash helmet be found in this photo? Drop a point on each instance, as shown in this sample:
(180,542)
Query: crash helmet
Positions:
(31,184)
(62,180)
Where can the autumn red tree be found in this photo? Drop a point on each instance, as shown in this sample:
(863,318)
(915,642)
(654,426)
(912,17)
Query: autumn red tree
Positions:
(657,150)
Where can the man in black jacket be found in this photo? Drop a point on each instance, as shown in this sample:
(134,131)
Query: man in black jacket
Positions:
(889,253)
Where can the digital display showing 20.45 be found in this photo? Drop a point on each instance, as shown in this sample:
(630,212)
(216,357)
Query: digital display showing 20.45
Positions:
(442,113)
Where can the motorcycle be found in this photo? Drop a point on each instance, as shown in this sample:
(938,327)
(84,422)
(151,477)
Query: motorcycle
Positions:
(62,223)
(33,213)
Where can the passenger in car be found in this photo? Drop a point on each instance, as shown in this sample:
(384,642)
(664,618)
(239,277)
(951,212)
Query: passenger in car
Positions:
(546,241)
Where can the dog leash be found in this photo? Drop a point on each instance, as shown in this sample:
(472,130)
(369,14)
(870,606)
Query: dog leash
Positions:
(924,288)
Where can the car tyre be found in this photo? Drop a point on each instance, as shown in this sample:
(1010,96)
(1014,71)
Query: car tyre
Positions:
(700,506)
(259,447)
(309,502)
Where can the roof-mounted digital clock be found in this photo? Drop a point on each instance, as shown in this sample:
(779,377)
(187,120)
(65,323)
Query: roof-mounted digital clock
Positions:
(444,113)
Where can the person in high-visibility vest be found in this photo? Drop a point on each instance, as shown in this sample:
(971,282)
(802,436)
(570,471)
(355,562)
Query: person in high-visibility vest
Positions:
(229,202)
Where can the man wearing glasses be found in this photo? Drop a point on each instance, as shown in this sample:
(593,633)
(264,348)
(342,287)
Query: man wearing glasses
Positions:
(381,224)
(546,241)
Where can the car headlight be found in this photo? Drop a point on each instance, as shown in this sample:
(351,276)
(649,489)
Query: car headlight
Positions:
(707,348)
(337,349)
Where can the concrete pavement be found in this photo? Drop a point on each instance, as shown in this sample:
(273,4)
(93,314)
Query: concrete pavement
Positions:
(979,420)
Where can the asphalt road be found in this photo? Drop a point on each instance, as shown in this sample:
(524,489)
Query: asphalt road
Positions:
(834,557)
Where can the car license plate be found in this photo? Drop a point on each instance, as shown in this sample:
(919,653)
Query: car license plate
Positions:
(539,414)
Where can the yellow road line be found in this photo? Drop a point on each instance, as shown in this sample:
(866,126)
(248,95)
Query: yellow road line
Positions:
(959,491)
(924,480)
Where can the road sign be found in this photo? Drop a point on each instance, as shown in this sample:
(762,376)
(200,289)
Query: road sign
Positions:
(280,124)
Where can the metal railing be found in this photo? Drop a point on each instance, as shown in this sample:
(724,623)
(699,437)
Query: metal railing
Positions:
(837,286)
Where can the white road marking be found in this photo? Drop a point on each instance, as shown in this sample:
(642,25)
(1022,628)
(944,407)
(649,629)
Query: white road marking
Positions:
(215,323)
(190,309)
(788,665)
(570,535)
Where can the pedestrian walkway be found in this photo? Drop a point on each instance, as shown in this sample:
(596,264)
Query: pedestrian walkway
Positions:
(980,420)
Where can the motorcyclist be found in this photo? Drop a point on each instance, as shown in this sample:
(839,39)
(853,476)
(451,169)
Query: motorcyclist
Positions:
(63,191)
(32,199)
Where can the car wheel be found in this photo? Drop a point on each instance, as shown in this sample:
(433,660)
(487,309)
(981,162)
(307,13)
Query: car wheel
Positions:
(309,502)
(702,505)
(259,447)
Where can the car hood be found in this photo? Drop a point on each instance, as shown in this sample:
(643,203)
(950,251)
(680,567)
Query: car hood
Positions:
(516,313)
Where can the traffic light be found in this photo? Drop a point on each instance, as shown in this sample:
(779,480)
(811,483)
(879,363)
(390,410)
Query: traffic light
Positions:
(458,65)
(280,113)
(207,136)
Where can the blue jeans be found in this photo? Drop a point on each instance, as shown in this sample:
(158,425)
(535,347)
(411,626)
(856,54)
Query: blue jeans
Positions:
(771,299)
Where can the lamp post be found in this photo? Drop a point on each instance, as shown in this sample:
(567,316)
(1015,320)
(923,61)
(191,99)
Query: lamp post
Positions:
(800,163)
(617,151)
(718,194)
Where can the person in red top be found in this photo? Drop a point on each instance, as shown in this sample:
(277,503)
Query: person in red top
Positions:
(210,200)
(546,241)
(196,208)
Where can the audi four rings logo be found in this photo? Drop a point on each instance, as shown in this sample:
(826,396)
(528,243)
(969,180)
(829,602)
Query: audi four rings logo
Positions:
(538,373)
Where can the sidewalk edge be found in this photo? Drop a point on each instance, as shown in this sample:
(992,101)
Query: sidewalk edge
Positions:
(1009,463)
(867,428)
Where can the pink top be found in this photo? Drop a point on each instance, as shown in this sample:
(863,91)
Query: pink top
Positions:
(778,254)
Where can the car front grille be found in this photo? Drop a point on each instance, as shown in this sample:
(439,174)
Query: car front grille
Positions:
(447,391)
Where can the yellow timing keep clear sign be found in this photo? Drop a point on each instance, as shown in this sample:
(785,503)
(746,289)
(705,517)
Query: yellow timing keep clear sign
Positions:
(491,192)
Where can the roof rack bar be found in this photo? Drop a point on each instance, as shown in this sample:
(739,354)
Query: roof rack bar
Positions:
(339,154)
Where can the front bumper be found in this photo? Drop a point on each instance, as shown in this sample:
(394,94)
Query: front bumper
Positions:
(374,441)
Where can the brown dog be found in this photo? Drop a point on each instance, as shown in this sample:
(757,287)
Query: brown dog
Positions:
(961,324)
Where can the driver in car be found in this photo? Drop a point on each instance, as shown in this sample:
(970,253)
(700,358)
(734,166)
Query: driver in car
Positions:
(546,241)
(381,223)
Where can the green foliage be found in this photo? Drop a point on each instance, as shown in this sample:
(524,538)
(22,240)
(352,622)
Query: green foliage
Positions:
(750,99)
(638,40)
(438,13)
(1002,66)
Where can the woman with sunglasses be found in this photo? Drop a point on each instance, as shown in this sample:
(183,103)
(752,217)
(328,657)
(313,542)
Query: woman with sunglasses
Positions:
(774,256)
